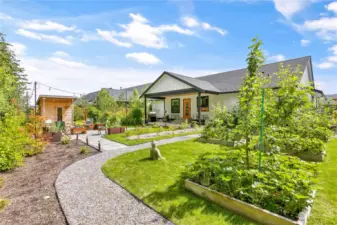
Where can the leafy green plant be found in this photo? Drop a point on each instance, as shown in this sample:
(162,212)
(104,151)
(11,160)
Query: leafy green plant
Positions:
(155,125)
(79,123)
(2,181)
(84,150)
(13,142)
(65,140)
(194,125)
(3,204)
(184,125)
(283,186)
(34,147)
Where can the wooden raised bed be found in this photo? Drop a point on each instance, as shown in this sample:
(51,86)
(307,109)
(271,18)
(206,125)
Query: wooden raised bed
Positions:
(217,141)
(78,130)
(244,209)
(116,130)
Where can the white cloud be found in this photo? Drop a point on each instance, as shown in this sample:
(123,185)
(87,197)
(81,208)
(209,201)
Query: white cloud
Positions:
(190,22)
(289,8)
(5,17)
(332,7)
(276,58)
(139,31)
(332,58)
(194,23)
(143,58)
(18,48)
(44,37)
(326,65)
(305,43)
(110,36)
(333,49)
(61,54)
(45,26)
(67,63)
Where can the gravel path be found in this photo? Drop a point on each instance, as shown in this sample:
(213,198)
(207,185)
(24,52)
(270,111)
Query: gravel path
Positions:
(87,197)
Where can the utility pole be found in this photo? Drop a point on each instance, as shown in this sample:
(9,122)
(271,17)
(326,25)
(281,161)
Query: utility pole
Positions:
(27,105)
(35,84)
(126,102)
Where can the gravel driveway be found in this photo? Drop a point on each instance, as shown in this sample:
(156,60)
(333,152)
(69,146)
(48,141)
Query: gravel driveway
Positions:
(87,197)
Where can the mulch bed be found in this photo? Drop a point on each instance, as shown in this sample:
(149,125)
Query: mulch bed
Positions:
(31,190)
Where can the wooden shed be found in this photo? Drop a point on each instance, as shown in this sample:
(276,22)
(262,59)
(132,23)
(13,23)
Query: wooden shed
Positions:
(57,108)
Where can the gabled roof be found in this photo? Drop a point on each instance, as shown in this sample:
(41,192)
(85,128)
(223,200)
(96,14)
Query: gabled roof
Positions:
(331,97)
(231,81)
(116,92)
(55,97)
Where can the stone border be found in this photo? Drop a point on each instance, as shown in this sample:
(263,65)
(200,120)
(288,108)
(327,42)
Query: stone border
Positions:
(244,209)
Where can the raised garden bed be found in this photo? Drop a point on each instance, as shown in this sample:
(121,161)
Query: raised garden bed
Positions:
(78,130)
(217,141)
(55,136)
(116,130)
(309,156)
(244,209)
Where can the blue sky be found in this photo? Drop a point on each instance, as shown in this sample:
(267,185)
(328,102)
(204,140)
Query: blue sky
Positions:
(83,46)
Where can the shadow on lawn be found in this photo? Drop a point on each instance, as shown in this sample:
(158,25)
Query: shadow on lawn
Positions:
(184,202)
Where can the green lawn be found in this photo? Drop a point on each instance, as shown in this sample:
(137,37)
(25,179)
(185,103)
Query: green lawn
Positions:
(324,211)
(122,138)
(160,185)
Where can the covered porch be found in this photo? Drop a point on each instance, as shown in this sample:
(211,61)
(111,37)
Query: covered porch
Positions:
(182,100)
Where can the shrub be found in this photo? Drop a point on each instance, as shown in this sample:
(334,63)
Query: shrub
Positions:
(184,125)
(95,114)
(65,140)
(79,123)
(137,116)
(84,150)
(3,204)
(155,125)
(13,142)
(283,186)
(195,125)
(36,146)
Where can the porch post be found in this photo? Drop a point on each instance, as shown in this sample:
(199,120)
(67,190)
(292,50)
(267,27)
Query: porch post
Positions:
(199,107)
(145,110)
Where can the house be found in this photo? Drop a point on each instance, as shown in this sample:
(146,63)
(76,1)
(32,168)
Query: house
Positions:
(57,108)
(185,97)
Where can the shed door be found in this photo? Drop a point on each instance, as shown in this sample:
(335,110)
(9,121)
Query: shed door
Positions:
(59,114)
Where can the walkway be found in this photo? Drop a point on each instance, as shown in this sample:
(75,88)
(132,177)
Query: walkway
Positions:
(87,197)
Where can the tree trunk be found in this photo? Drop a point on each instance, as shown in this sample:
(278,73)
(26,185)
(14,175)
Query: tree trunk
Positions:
(247,152)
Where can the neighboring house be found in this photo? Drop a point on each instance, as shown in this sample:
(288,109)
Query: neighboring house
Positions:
(57,108)
(186,97)
(333,102)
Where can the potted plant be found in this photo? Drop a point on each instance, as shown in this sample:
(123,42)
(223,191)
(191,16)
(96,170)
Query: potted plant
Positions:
(56,134)
(78,128)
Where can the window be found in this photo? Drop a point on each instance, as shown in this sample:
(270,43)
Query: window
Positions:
(204,103)
(175,105)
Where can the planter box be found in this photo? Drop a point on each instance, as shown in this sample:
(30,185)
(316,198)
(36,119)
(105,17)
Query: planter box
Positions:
(98,125)
(116,130)
(217,141)
(78,130)
(244,209)
(308,156)
(89,126)
(56,137)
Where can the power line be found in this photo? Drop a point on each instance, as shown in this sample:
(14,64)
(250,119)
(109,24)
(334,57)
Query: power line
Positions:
(71,92)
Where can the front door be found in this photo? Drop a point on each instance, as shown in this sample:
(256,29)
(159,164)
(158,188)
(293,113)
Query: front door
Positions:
(187,108)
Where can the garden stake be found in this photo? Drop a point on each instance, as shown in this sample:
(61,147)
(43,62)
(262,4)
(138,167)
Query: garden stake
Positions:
(261,129)
(87,140)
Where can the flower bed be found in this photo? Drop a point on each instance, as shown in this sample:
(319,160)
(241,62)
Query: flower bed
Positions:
(283,186)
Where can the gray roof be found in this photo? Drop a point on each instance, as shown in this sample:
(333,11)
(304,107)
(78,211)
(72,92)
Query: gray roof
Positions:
(231,81)
(224,82)
(199,83)
(55,96)
(330,97)
(116,92)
